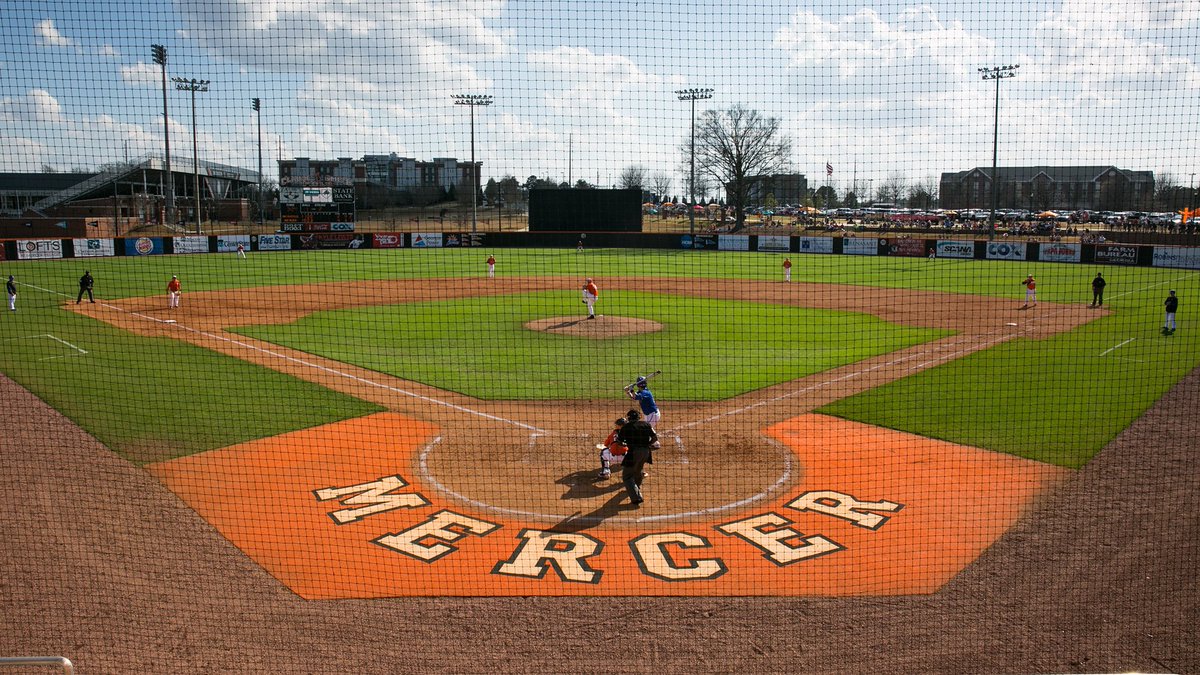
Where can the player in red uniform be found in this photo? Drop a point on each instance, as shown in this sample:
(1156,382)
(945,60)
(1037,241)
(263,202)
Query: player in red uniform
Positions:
(787,269)
(611,452)
(590,295)
(491,263)
(174,290)
(1030,292)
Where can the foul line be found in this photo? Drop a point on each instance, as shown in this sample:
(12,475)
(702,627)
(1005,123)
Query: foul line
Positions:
(309,364)
(1120,345)
(56,339)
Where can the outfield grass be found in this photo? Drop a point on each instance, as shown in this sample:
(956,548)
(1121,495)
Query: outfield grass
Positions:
(1057,400)
(708,349)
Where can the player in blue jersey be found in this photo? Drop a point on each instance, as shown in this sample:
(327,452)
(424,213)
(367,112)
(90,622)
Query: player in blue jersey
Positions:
(645,399)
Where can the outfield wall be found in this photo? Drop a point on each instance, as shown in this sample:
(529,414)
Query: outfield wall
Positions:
(958,248)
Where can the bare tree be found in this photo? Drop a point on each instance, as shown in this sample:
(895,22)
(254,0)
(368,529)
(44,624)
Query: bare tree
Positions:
(735,145)
(632,177)
(892,189)
(660,185)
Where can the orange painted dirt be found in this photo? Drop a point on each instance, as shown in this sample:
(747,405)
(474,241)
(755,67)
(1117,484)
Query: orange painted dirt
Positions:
(950,501)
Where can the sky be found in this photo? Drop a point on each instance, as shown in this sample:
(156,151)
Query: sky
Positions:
(582,89)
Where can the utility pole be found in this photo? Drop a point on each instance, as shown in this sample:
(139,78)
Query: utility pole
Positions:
(160,58)
(193,85)
(473,100)
(693,95)
(996,73)
(256,103)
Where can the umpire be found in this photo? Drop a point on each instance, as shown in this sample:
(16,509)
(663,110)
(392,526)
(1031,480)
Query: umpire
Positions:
(638,436)
(85,286)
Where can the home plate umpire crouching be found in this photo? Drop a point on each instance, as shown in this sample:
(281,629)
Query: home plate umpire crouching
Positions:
(638,437)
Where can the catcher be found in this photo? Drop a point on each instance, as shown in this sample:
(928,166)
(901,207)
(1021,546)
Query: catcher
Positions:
(611,451)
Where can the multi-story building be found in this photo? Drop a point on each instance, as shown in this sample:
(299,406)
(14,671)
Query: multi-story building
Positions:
(1038,188)
(787,188)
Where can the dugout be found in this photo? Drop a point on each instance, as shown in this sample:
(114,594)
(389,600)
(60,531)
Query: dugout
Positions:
(589,210)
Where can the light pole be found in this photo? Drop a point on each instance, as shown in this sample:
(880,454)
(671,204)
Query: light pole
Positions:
(473,100)
(193,85)
(256,103)
(996,73)
(693,95)
(1192,192)
(160,58)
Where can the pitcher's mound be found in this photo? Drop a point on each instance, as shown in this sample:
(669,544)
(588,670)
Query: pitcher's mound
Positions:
(600,327)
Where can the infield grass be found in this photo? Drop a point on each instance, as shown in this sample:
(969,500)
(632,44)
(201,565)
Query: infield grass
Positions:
(707,349)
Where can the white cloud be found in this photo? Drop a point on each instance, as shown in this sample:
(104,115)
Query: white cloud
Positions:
(48,35)
(142,74)
(36,106)
(108,50)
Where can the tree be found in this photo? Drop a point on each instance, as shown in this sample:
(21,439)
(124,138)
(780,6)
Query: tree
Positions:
(825,197)
(48,168)
(891,189)
(735,145)
(850,200)
(510,190)
(660,185)
(769,202)
(632,177)
(491,191)
(582,184)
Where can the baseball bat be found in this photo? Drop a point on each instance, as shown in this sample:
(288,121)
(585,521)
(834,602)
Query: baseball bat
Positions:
(629,387)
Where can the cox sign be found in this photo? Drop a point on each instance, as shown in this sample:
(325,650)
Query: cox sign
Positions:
(1006,251)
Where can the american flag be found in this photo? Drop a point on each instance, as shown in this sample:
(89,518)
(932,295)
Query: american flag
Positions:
(828,169)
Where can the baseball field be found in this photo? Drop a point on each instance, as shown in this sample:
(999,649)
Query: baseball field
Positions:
(383,424)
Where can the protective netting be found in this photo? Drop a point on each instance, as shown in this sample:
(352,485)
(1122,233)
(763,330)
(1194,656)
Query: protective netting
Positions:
(723,368)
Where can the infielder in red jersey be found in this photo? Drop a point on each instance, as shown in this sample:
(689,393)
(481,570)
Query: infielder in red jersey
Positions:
(174,290)
(1030,291)
(787,269)
(611,451)
(491,263)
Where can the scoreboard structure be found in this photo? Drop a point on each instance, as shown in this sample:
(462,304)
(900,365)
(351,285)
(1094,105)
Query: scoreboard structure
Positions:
(316,209)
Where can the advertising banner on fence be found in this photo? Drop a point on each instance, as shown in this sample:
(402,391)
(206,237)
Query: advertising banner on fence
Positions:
(774,243)
(1116,254)
(331,240)
(341,227)
(144,246)
(955,249)
(1177,256)
(906,248)
(39,249)
(190,244)
(427,240)
(228,243)
(698,241)
(733,242)
(387,240)
(816,244)
(1059,252)
(94,248)
(997,250)
(273,242)
(449,240)
(856,246)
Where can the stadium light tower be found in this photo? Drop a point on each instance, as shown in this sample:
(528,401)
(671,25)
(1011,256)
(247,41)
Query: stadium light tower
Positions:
(693,95)
(473,100)
(996,73)
(160,58)
(256,103)
(193,85)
